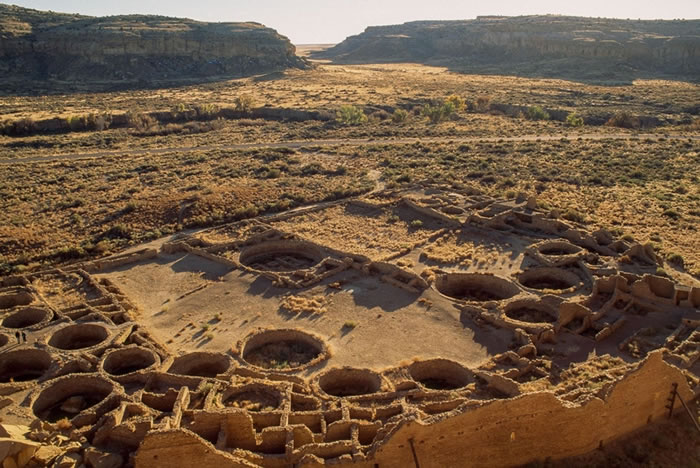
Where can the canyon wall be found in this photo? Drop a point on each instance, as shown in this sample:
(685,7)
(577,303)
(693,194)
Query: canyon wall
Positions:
(47,45)
(665,47)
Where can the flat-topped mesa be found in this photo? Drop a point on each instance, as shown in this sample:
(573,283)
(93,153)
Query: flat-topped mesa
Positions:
(47,45)
(663,47)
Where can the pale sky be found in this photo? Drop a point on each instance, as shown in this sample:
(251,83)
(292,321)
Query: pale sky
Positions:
(331,21)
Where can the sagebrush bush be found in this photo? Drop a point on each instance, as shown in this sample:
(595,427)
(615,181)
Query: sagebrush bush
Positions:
(399,116)
(439,112)
(623,119)
(537,113)
(244,103)
(574,120)
(351,115)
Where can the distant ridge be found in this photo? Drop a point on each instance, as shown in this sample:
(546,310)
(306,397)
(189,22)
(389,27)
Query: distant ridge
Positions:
(39,45)
(534,45)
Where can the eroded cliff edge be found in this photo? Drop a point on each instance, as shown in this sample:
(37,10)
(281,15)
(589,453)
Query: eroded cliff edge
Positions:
(535,45)
(37,45)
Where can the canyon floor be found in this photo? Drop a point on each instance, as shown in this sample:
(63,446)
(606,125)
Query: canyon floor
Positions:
(344,257)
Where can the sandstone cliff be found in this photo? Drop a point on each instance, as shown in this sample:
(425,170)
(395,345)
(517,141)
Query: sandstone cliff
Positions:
(46,45)
(534,44)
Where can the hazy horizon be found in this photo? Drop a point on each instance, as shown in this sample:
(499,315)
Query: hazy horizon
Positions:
(323,22)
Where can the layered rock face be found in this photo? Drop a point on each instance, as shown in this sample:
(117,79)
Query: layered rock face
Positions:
(671,47)
(47,45)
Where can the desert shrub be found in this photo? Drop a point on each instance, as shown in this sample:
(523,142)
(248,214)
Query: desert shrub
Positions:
(623,119)
(483,104)
(457,101)
(399,116)
(416,223)
(209,111)
(89,122)
(671,213)
(244,103)
(675,259)
(139,121)
(537,113)
(573,215)
(19,127)
(439,112)
(351,115)
(118,231)
(380,115)
(574,120)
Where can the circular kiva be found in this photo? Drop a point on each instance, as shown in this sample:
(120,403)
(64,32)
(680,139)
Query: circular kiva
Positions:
(27,317)
(281,256)
(127,360)
(557,248)
(551,279)
(24,365)
(69,396)
(347,381)
(284,350)
(440,374)
(531,311)
(78,336)
(254,397)
(475,287)
(15,297)
(201,364)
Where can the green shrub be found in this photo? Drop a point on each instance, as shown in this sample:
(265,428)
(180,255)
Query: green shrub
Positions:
(537,113)
(574,120)
(399,116)
(417,223)
(439,112)
(351,115)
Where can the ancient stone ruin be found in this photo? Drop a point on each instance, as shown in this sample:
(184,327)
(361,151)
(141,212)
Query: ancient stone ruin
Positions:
(490,333)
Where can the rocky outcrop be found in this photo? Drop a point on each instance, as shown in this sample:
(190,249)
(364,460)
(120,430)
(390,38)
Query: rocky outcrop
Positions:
(669,47)
(47,45)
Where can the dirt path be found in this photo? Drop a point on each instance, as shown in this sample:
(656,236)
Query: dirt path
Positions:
(336,142)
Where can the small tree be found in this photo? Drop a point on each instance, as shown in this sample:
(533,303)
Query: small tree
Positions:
(574,120)
(351,115)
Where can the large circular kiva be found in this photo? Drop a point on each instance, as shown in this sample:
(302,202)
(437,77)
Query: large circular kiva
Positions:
(201,364)
(283,350)
(475,287)
(349,382)
(440,374)
(23,365)
(69,396)
(255,397)
(78,336)
(281,256)
(127,360)
(547,278)
(27,317)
